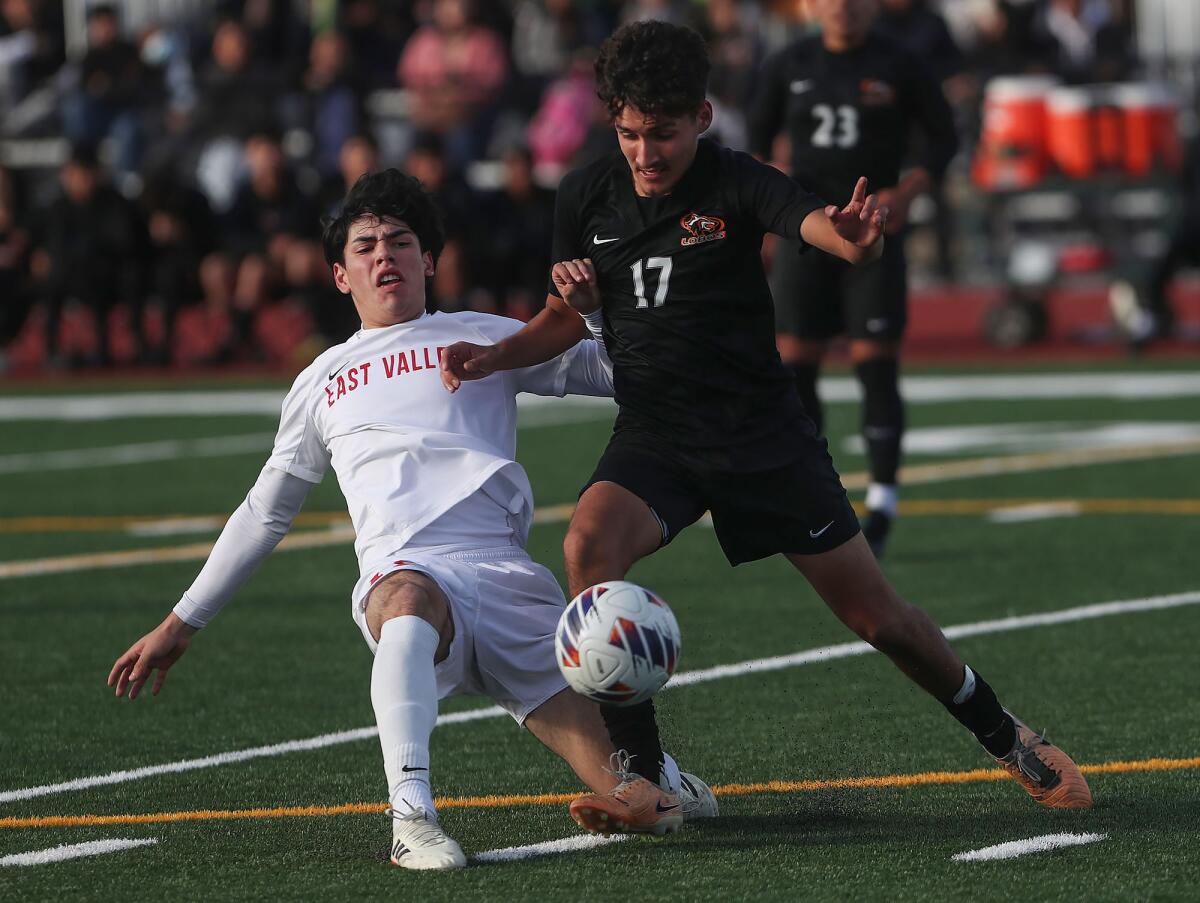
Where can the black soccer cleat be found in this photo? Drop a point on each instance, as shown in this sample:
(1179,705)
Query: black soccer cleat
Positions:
(875,528)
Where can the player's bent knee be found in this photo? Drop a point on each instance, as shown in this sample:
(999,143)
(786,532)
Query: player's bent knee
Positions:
(589,550)
(408,593)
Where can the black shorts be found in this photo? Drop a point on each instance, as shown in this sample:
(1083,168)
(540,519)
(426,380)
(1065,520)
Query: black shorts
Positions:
(819,296)
(799,508)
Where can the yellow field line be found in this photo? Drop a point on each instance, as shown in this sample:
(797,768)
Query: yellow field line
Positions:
(192,552)
(1024,463)
(339,531)
(56,523)
(545,799)
(551,514)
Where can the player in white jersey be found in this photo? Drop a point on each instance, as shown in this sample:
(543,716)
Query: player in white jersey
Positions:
(448,599)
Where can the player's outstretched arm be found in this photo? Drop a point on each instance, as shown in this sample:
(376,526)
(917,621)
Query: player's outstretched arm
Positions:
(555,329)
(252,531)
(854,233)
(156,651)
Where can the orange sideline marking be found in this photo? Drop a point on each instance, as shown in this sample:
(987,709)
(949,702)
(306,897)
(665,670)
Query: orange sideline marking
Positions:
(545,799)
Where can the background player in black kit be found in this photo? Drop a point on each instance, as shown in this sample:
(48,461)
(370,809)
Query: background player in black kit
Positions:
(847,100)
(661,243)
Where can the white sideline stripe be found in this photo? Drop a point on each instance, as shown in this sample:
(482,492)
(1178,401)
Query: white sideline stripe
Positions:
(1003,625)
(916,390)
(1015,848)
(566,845)
(229,758)
(75,851)
(1020,514)
(136,453)
(176,526)
(687,678)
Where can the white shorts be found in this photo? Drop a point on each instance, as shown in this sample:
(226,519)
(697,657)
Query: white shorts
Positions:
(505,608)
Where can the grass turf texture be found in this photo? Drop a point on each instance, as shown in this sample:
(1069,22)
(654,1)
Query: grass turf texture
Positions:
(284,662)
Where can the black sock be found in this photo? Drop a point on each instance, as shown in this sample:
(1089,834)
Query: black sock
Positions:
(883,416)
(806,386)
(634,729)
(982,716)
(241,322)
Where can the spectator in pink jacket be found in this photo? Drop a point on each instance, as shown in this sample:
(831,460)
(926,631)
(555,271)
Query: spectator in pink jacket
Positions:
(454,69)
(568,111)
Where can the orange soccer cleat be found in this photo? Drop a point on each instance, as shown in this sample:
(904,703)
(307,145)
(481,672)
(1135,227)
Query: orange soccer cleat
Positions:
(1045,771)
(634,806)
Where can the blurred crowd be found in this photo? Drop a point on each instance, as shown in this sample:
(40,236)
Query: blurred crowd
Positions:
(205,150)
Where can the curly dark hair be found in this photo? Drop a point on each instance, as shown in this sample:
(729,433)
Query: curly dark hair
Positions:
(659,68)
(393,194)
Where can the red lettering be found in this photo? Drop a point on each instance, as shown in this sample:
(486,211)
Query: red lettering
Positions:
(329,392)
(413,357)
(352,376)
(401,363)
(389,366)
(364,368)
(440,349)
(341,387)
(428,362)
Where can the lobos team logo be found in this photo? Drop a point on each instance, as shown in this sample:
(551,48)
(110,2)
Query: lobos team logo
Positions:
(701,228)
(876,93)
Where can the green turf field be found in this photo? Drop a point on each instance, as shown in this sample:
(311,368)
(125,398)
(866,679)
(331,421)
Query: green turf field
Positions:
(285,663)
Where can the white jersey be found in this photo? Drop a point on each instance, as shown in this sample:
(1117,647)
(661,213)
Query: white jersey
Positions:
(405,451)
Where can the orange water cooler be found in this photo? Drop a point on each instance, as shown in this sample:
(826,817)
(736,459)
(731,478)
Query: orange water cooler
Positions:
(1012,152)
(1149,129)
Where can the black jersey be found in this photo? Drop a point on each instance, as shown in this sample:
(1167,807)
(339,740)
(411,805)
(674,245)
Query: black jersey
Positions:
(688,318)
(848,114)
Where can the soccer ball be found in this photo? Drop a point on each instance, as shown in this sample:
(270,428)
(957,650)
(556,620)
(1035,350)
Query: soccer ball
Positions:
(617,643)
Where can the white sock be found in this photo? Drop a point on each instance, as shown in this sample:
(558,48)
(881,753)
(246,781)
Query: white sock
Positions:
(404,694)
(967,690)
(883,497)
(669,776)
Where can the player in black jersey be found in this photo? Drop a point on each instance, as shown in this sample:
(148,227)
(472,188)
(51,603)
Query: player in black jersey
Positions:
(847,100)
(658,245)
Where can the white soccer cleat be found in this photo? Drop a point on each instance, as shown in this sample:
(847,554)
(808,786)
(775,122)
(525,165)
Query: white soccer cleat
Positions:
(696,798)
(1138,324)
(418,842)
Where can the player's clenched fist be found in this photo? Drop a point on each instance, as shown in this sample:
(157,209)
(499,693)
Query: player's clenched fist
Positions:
(576,282)
(466,361)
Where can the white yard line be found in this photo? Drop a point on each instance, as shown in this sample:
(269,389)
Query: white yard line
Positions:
(1021,514)
(916,389)
(1015,848)
(687,678)
(75,851)
(1001,465)
(549,847)
(136,453)
(229,758)
(40,567)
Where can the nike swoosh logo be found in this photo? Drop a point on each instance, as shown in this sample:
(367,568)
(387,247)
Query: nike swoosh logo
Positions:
(413,768)
(815,533)
(338,370)
(597,240)
(800,85)
(661,808)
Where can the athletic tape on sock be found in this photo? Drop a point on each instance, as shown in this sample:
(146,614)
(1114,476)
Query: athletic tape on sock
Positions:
(968,687)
